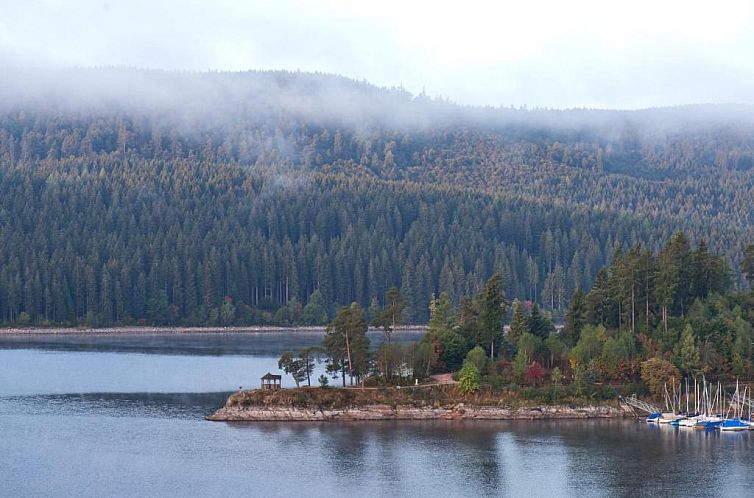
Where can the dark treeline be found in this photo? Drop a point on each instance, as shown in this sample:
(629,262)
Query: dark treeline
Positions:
(112,214)
(115,242)
(650,319)
(673,306)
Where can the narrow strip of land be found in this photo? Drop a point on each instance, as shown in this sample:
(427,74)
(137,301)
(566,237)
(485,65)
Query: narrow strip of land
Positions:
(173,330)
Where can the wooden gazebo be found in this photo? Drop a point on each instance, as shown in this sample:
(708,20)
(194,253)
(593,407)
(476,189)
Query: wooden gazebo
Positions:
(271,382)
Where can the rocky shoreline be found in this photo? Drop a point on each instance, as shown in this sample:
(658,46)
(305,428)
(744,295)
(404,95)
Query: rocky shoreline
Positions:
(136,330)
(241,408)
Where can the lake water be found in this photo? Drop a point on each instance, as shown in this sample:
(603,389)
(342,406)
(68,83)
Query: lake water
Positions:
(123,416)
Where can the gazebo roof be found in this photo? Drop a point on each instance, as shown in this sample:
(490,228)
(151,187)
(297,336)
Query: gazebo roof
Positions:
(269,376)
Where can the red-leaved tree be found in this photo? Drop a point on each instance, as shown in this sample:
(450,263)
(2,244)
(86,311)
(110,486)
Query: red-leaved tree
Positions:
(534,373)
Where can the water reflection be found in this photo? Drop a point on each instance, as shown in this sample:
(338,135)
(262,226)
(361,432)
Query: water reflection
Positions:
(525,458)
(187,343)
(151,405)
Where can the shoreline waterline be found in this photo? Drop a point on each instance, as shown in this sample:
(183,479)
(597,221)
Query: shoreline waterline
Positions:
(141,330)
(437,402)
(374,413)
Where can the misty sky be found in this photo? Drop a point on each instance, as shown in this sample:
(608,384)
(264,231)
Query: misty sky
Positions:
(540,53)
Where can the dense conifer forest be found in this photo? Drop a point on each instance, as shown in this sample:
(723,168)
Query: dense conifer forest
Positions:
(649,320)
(240,198)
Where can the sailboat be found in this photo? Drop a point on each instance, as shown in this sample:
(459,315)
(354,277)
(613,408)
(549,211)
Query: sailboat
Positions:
(735,424)
(671,416)
(709,421)
(691,418)
(654,418)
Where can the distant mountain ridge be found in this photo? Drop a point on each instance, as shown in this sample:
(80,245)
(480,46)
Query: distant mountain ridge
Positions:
(304,94)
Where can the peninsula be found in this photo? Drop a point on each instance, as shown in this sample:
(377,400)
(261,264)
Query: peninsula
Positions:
(427,402)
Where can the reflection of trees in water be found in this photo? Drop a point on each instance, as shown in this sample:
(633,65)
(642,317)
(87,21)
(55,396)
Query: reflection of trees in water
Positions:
(627,455)
(336,451)
(481,460)
(389,455)
(271,344)
(581,458)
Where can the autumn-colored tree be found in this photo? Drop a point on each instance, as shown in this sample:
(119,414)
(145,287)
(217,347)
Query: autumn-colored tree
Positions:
(658,373)
(534,373)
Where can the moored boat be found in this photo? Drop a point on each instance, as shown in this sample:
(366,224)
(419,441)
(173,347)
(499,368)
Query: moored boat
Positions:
(708,423)
(734,425)
(654,418)
(669,418)
(689,422)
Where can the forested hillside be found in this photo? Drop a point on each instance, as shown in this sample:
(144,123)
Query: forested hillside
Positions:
(235,198)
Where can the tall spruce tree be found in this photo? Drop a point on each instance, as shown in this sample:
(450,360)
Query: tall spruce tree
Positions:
(576,318)
(538,324)
(598,299)
(519,323)
(492,310)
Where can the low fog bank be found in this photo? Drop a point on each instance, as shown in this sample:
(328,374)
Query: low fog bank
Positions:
(212,99)
(220,97)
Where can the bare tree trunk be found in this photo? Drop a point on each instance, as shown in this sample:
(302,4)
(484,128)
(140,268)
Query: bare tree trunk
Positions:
(308,371)
(665,318)
(348,350)
(647,303)
(620,315)
(633,305)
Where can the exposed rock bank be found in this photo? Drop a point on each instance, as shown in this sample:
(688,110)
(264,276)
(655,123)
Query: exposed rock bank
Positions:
(385,412)
(258,406)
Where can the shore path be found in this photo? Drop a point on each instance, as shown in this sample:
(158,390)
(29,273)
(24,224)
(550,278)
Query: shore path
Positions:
(446,378)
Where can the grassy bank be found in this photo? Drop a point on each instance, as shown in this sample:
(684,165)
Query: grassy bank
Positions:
(416,397)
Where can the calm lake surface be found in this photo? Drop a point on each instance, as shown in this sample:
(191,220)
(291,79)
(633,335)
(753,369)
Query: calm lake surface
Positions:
(123,416)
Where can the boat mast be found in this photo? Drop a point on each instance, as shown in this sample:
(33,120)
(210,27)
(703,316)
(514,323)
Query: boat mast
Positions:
(687,395)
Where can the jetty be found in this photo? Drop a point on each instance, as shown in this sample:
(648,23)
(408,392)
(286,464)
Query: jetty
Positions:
(638,406)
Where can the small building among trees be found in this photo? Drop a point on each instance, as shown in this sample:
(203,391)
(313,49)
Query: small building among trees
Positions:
(271,382)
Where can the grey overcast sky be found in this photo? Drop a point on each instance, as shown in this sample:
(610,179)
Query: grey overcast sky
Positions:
(575,53)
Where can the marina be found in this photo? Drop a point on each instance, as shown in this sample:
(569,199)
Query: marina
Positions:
(708,407)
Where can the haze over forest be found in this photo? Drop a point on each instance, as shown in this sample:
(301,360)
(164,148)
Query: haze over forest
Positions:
(145,196)
(537,53)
